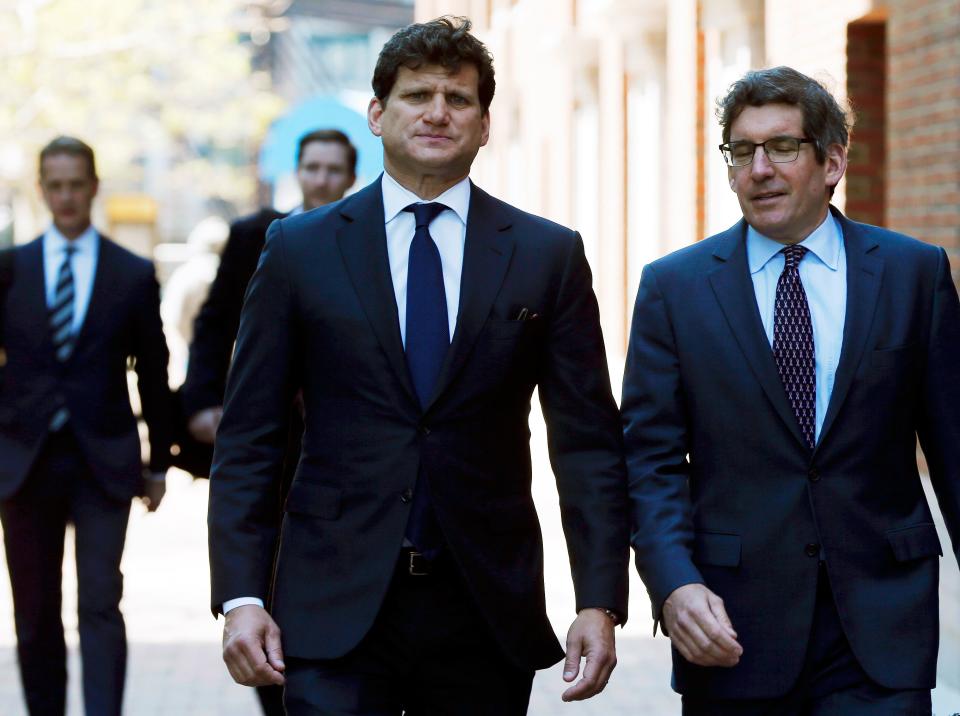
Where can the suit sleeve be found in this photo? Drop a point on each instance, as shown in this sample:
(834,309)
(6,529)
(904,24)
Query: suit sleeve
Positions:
(585,443)
(215,327)
(939,429)
(656,443)
(152,356)
(248,456)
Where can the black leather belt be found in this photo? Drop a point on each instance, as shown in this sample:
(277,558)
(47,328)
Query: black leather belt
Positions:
(416,565)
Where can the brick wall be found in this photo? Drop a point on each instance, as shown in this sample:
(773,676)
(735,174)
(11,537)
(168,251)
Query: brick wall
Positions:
(923,122)
(923,185)
(866,81)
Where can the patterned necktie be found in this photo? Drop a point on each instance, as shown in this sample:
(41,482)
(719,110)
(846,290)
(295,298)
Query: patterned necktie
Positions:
(427,342)
(61,326)
(793,343)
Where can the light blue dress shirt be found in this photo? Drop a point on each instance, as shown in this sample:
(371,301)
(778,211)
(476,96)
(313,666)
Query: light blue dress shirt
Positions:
(823,273)
(83,264)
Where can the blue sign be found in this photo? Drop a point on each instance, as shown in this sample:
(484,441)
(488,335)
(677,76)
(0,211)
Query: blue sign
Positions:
(278,155)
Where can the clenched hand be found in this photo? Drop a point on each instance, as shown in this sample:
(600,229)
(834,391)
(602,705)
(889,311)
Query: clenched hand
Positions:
(700,628)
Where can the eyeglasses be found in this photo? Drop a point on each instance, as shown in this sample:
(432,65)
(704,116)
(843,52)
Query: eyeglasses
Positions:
(778,150)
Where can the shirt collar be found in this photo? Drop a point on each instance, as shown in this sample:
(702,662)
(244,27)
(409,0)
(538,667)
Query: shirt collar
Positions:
(56,243)
(825,243)
(396,198)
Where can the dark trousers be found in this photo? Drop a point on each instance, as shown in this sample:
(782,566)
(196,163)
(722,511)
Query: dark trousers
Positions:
(429,653)
(831,682)
(60,489)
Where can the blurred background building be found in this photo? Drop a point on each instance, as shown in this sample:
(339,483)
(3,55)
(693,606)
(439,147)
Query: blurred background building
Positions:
(194,107)
(604,120)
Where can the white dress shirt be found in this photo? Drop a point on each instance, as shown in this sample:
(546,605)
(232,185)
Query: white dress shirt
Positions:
(823,273)
(83,264)
(449,232)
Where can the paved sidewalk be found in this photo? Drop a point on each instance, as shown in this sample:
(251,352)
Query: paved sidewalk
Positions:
(174,666)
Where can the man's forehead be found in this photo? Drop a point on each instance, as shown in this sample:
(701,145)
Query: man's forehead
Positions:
(769,119)
(431,74)
(322,150)
(64,165)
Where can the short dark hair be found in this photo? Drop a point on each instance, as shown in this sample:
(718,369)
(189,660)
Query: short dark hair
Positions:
(824,121)
(72,146)
(445,41)
(329,135)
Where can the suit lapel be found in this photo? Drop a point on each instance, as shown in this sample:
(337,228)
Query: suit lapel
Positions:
(864,274)
(734,290)
(34,290)
(363,246)
(487,250)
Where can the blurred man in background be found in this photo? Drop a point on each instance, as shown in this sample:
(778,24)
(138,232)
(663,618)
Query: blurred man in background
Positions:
(326,169)
(79,307)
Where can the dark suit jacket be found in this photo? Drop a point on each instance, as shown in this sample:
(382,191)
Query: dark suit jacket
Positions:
(215,327)
(725,492)
(122,323)
(320,313)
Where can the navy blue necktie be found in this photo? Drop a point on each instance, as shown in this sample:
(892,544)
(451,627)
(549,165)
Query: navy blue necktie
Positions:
(793,343)
(427,342)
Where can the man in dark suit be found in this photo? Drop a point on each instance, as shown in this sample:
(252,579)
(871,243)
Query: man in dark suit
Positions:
(417,316)
(78,309)
(778,377)
(326,169)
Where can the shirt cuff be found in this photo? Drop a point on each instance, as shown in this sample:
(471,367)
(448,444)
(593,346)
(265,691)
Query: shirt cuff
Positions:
(241,602)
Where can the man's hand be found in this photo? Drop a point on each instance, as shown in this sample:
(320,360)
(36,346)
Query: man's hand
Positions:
(590,636)
(700,628)
(203,424)
(251,647)
(154,488)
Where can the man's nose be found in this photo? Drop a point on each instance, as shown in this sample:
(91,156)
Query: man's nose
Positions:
(437,110)
(761,166)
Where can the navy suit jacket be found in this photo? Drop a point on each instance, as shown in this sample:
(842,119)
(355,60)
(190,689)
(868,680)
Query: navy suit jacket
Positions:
(725,492)
(122,323)
(215,327)
(320,314)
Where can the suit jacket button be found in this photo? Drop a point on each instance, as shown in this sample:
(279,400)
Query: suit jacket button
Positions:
(812,549)
(814,474)
(406,495)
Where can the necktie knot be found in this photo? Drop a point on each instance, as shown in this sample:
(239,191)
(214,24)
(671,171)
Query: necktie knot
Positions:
(793,255)
(423,214)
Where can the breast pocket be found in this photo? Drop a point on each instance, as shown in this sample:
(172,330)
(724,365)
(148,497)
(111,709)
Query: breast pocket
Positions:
(500,330)
(887,361)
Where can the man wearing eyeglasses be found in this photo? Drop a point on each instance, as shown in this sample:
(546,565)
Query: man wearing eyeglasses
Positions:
(778,377)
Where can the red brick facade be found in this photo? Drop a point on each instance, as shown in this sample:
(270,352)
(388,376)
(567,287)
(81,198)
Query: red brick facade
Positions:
(923,122)
(866,91)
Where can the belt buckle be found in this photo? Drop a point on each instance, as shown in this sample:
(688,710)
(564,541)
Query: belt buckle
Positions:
(419,566)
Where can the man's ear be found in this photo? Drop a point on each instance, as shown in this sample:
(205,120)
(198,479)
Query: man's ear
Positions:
(374,115)
(485,132)
(835,164)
